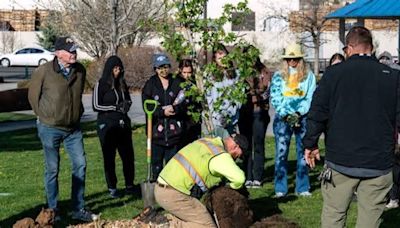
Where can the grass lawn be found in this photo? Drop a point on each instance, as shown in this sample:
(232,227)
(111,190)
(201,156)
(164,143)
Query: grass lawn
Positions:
(12,116)
(22,191)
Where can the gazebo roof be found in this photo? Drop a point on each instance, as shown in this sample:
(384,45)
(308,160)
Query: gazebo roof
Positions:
(372,9)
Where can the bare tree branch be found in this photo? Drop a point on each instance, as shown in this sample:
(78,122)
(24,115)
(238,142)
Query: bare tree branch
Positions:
(98,31)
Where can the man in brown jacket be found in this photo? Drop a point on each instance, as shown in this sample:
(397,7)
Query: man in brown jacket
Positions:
(55,94)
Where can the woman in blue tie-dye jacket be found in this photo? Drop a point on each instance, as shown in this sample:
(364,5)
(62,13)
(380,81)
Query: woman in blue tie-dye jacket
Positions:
(291,92)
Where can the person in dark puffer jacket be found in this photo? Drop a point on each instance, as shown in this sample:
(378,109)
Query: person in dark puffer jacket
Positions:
(112,101)
(167,118)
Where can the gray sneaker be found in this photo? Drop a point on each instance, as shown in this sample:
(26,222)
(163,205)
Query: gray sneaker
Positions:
(256,184)
(84,215)
(248,184)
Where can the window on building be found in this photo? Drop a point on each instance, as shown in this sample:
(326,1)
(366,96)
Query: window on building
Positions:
(244,22)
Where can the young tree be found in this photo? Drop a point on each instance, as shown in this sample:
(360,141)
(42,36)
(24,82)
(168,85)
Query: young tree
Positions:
(188,31)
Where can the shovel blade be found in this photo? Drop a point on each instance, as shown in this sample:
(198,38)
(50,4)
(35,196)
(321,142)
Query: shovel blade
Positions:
(147,189)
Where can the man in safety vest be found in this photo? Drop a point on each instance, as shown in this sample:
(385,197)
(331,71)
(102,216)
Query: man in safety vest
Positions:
(192,171)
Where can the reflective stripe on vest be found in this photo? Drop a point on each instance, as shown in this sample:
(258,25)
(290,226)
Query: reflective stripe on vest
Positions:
(214,150)
(191,170)
(193,173)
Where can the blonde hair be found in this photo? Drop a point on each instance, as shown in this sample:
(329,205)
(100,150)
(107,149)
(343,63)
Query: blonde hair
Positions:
(301,67)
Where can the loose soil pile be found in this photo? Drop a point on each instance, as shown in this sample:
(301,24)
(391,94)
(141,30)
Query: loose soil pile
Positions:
(230,207)
(232,210)
(275,221)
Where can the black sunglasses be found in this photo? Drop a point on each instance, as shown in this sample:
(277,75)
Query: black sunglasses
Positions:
(294,59)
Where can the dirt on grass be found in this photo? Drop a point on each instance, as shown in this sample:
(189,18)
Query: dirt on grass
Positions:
(229,206)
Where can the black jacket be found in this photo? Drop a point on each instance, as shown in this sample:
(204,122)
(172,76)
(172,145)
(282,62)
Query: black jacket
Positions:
(110,94)
(166,129)
(356,103)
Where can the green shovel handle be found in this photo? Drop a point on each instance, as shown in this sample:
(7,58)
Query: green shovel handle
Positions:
(149,112)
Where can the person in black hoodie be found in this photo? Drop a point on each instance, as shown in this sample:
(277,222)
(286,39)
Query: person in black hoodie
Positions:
(167,125)
(112,101)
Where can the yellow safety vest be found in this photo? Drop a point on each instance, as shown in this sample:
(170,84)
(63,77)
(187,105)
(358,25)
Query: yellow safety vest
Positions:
(190,166)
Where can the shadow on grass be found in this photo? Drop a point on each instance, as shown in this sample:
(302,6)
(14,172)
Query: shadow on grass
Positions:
(99,202)
(27,139)
(20,141)
(391,218)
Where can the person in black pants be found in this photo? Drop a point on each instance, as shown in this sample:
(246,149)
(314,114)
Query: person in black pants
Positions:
(112,101)
(253,122)
(167,118)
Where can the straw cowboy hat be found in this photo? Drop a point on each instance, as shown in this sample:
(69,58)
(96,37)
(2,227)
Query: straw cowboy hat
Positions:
(293,51)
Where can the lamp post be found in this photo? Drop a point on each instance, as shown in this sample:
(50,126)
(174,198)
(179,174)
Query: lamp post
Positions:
(114,27)
(205,29)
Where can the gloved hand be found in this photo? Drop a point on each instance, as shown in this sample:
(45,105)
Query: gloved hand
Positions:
(124,106)
(293,119)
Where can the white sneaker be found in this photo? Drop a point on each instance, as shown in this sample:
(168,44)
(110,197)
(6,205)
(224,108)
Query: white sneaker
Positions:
(304,194)
(248,184)
(279,195)
(393,204)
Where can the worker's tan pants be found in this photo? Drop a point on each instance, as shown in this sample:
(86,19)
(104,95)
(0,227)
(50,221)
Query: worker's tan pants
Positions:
(371,198)
(189,211)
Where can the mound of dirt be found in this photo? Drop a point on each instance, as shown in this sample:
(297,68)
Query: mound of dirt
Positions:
(230,207)
(275,221)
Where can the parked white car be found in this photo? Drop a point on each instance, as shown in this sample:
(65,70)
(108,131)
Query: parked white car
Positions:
(28,56)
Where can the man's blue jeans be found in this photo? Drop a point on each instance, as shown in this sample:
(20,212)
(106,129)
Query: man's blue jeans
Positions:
(283,133)
(73,142)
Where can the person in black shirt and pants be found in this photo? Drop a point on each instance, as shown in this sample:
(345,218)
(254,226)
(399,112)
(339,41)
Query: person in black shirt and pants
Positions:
(112,101)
